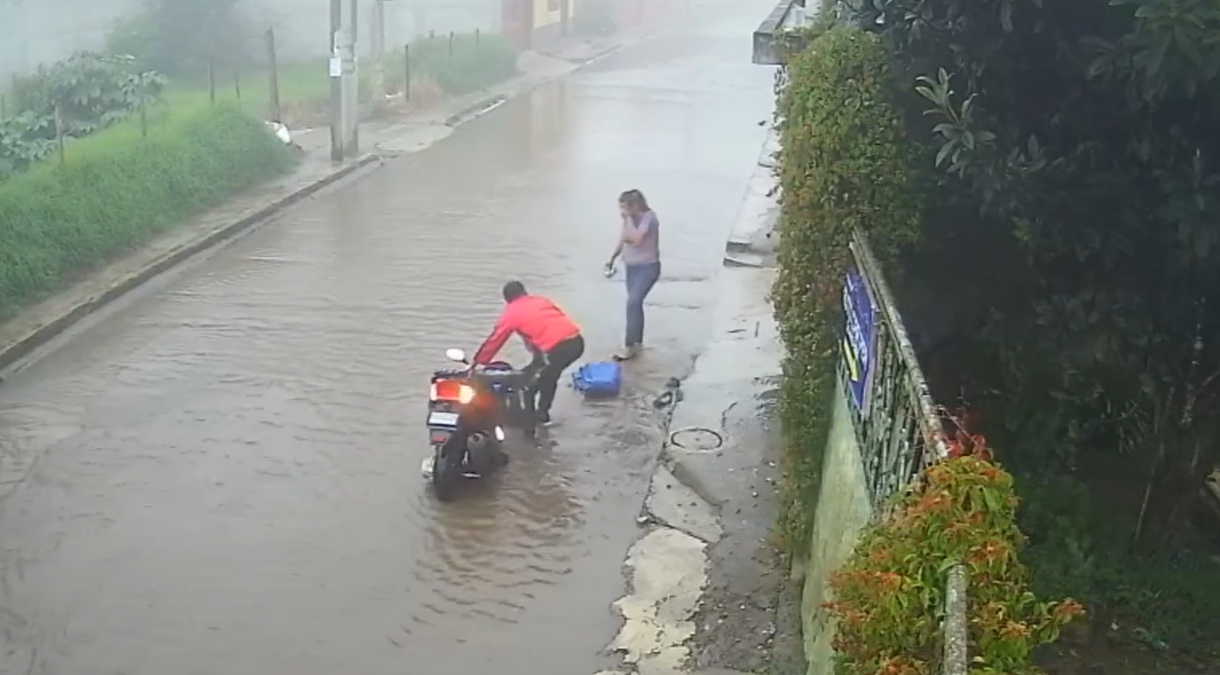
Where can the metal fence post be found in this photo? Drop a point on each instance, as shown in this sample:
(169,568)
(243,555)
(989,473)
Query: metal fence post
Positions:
(956,629)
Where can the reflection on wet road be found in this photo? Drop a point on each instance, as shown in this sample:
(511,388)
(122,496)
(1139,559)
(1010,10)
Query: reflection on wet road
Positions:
(224,476)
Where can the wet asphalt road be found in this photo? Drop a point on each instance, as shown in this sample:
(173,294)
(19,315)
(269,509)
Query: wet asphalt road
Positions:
(224,477)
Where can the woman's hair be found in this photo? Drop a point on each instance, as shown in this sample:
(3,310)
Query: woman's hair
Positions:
(634,199)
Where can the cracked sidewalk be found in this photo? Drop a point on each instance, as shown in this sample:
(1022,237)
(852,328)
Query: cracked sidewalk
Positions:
(705,588)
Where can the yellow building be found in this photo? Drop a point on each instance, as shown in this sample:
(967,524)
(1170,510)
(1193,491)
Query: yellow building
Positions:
(552,19)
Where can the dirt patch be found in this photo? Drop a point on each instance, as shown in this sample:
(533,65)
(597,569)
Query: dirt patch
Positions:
(1090,649)
(309,113)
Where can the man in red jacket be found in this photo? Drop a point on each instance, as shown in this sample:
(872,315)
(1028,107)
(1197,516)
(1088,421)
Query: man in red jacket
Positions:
(547,331)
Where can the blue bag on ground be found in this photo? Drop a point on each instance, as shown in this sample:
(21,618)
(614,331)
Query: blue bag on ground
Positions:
(600,379)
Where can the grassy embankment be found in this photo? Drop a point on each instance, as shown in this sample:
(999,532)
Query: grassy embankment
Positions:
(115,190)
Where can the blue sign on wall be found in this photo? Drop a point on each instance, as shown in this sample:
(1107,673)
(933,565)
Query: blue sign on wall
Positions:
(859,336)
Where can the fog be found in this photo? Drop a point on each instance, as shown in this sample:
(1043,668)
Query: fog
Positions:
(34,32)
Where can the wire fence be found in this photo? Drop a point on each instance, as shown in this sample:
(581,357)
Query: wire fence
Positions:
(896,424)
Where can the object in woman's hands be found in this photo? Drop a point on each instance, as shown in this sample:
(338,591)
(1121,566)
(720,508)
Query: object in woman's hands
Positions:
(609,270)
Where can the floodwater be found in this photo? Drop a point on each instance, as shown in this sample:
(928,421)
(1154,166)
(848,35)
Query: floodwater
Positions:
(224,476)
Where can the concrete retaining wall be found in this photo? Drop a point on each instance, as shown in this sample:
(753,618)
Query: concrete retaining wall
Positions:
(843,509)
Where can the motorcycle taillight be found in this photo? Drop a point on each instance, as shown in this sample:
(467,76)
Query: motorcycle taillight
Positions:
(452,390)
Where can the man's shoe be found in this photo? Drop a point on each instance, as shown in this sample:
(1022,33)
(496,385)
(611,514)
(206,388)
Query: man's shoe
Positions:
(544,419)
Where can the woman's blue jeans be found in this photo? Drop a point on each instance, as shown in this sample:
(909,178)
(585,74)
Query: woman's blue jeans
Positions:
(640,280)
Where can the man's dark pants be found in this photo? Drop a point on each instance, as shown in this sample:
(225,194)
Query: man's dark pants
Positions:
(556,361)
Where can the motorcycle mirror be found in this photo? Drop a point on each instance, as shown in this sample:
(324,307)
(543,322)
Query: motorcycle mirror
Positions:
(454,354)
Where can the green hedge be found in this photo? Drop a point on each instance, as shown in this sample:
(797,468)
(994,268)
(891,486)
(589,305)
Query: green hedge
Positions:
(845,165)
(117,189)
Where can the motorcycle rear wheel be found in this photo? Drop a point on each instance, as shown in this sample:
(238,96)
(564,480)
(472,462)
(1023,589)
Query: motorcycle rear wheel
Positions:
(446,472)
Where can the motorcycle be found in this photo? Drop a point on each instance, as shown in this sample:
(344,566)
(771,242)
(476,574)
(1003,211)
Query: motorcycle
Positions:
(468,411)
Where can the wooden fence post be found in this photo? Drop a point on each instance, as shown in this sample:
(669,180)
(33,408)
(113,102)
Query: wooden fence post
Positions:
(406,85)
(275,77)
(59,135)
(211,83)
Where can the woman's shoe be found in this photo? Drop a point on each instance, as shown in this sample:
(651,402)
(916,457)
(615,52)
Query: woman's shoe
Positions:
(627,353)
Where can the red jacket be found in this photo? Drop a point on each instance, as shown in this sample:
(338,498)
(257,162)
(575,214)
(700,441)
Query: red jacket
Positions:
(536,319)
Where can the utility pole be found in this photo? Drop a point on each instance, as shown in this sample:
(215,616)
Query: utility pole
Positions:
(354,84)
(336,82)
(378,54)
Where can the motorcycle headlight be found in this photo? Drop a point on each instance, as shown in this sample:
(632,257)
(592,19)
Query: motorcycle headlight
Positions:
(499,434)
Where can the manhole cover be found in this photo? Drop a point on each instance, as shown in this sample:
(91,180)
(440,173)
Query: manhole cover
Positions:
(699,440)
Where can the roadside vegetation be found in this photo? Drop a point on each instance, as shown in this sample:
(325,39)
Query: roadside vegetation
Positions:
(1060,186)
(101,151)
(477,61)
(888,594)
(847,165)
(843,167)
(192,39)
(117,189)
(82,95)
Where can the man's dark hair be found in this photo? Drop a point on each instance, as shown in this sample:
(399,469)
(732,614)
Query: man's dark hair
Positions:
(513,290)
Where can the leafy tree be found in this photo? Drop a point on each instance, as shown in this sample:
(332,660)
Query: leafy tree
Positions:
(90,91)
(1087,129)
(24,139)
(180,37)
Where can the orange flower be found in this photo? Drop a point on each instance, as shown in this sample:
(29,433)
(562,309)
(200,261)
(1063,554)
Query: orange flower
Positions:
(1014,630)
(1067,610)
(988,553)
(890,581)
(991,473)
(879,555)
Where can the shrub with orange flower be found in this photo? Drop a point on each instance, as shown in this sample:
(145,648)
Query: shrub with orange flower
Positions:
(889,598)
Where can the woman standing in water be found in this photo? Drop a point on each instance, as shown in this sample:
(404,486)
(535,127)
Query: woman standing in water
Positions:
(639,245)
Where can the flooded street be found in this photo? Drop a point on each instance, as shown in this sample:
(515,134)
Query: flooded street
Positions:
(224,476)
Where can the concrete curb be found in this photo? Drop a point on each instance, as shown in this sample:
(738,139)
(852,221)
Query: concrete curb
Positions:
(486,105)
(48,331)
(609,51)
(492,101)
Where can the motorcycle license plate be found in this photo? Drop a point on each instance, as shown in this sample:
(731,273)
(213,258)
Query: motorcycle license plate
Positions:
(442,419)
